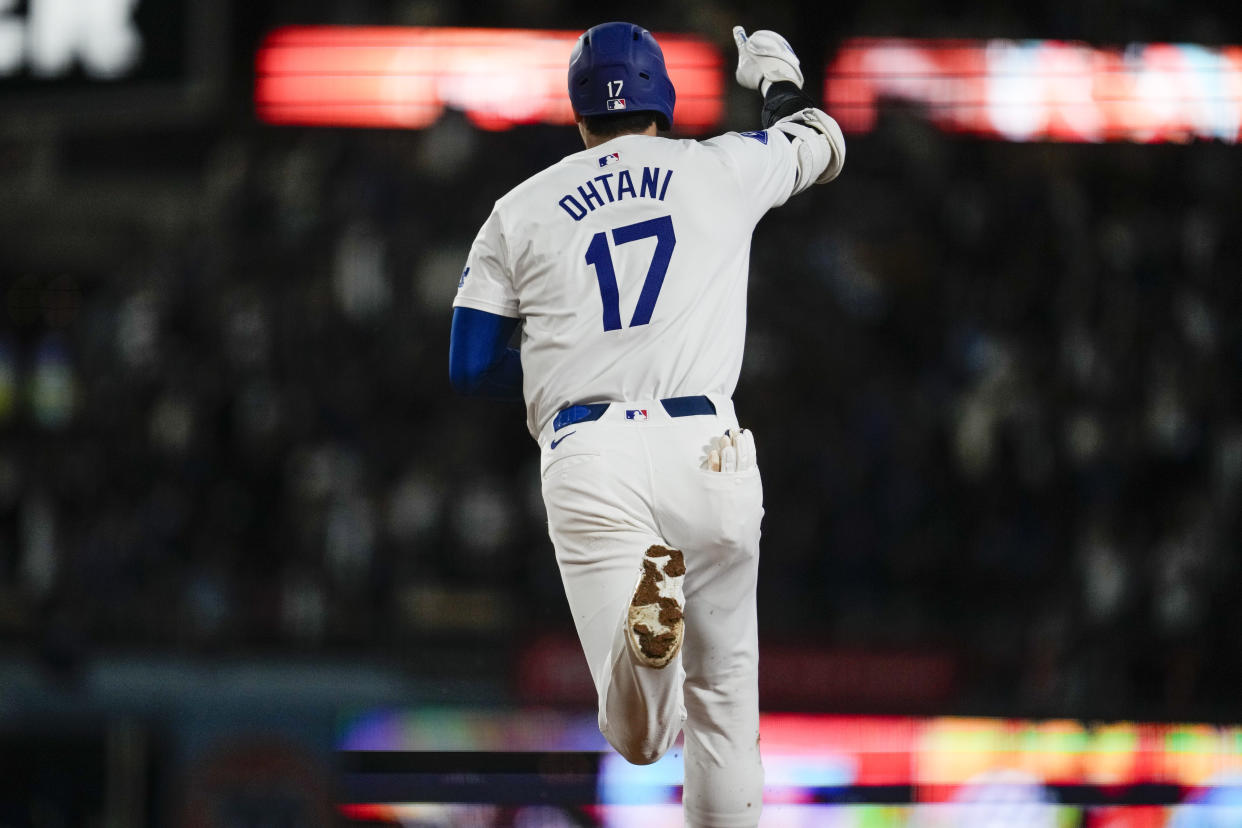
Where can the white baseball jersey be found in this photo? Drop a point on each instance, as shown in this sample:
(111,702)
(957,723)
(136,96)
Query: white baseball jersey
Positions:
(628,264)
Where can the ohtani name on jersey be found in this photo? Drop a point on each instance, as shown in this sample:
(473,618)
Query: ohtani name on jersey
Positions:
(614,186)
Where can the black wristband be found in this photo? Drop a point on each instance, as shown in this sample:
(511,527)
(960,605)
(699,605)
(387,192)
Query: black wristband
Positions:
(784,98)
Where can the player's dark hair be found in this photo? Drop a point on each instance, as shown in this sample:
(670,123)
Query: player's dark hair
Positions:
(610,126)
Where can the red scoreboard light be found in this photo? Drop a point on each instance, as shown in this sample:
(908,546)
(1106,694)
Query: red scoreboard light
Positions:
(1043,90)
(405,77)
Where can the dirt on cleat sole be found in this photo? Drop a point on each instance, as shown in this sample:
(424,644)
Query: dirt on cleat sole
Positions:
(656,621)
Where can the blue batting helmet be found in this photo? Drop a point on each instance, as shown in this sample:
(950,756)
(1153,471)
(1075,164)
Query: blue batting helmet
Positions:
(617,68)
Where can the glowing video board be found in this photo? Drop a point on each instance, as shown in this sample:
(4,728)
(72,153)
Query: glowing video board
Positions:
(1038,90)
(820,770)
(405,77)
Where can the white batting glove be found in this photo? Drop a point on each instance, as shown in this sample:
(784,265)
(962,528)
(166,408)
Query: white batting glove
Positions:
(734,452)
(744,443)
(765,58)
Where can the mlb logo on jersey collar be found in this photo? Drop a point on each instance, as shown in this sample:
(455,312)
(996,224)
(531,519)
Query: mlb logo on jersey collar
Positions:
(610,158)
(635,413)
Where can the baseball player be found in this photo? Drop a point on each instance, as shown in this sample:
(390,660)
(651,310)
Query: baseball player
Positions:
(626,264)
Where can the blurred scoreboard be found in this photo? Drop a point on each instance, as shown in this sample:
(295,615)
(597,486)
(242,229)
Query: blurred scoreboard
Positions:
(820,770)
(405,77)
(1042,90)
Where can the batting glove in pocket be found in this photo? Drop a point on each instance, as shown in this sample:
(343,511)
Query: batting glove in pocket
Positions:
(732,452)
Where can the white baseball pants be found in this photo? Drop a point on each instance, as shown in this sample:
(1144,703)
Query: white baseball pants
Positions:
(613,488)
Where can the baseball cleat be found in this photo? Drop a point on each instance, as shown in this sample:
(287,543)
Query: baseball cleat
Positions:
(654,624)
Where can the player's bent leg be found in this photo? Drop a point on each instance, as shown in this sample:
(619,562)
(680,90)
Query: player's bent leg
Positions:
(653,631)
(600,543)
(640,705)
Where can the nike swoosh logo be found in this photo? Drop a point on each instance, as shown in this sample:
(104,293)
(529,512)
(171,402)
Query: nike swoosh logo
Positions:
(556,443)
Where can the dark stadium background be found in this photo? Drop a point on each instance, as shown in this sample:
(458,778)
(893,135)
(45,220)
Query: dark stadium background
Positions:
(995,388)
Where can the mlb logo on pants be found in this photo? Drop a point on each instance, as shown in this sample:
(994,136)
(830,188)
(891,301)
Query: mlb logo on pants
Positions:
(635,413)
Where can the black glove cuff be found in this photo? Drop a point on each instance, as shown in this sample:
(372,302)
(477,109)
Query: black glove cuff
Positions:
(784,98)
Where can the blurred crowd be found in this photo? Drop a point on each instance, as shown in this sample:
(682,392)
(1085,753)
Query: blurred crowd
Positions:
(995,389)
(1007,413)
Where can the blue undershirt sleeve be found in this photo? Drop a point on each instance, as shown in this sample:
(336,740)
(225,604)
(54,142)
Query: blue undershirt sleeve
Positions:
(480,363)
